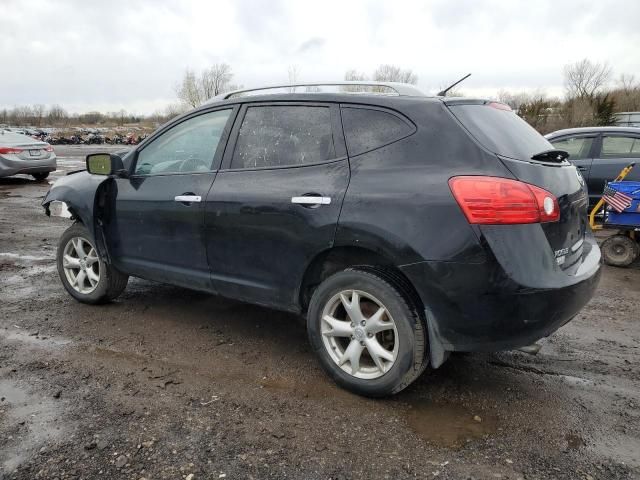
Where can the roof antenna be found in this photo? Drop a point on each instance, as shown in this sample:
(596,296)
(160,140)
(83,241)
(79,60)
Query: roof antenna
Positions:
(442,93)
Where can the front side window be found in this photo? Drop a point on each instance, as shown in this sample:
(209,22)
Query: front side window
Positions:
(189,147)
(367,129)
(577,147)
(620,147)
(281,136)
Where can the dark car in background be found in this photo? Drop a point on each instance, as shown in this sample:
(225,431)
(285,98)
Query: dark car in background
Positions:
(600,153)
(403,227)
(626,119)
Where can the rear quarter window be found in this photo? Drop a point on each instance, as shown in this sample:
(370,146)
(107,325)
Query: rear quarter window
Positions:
(366,129)
(501,131)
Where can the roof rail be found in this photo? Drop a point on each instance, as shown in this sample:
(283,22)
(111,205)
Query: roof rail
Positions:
(396,88)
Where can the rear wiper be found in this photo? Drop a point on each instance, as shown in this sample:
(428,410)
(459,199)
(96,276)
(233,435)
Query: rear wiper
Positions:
(551,156)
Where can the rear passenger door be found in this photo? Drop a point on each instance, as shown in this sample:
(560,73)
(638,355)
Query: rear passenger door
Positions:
(580,148)
(617,150)
(275,203)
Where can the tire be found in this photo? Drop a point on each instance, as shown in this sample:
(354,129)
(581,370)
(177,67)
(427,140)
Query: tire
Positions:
(110,282)
(619,250)
(403,335)
(40,176)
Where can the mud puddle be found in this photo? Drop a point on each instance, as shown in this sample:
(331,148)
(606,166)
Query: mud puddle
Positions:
(31,420)
(448,425)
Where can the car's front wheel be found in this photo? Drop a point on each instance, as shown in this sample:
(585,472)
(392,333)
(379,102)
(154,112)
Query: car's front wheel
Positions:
(39,177)
(366,332)
(87,277)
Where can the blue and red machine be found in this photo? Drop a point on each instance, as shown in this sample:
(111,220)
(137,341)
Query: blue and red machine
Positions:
(621,248)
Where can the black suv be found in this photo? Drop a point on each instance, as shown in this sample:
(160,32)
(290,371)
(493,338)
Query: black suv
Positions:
(404,227)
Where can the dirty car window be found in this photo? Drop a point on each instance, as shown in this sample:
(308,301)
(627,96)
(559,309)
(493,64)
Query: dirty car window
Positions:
(278,136)
(186,148)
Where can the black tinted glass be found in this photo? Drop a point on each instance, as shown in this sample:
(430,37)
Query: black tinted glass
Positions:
(501,131)
(367,129)
(278,136)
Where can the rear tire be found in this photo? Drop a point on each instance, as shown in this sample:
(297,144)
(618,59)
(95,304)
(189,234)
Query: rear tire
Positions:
(84,274)
(385,317)
(619,250)
(40,176)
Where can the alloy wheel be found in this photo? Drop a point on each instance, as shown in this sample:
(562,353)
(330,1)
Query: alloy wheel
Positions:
(359,334)
(81,265)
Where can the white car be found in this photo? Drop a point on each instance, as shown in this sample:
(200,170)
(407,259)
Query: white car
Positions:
(22,154)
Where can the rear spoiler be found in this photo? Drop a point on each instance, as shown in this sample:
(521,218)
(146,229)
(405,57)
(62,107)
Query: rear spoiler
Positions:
(551,156)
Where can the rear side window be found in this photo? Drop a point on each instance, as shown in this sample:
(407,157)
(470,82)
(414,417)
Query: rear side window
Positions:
(577,147)
(620,147)
(501,131)
(281,136)
(366,129)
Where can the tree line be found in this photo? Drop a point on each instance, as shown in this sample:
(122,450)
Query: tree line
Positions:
(591,97)
(39,115)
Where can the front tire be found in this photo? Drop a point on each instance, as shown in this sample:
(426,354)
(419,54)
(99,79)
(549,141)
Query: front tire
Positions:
(83,273)
(40,177)
(366,332)
(619,250)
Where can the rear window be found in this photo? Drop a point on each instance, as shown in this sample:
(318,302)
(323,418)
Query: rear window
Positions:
(366,129)
(283,136)
(501,131)
(578,148)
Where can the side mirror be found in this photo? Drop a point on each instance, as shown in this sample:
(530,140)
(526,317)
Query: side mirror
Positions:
(106,164)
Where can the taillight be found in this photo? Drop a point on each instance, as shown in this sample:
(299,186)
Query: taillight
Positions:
(501,201)
(48,148)
(10,150)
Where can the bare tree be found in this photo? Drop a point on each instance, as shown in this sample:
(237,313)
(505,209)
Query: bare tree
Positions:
(188,90)
(353,75)
(628,83)
(294,74)
(38,113)
(196,89)
(584,79)
(215,80)
(57,114)
(392,73)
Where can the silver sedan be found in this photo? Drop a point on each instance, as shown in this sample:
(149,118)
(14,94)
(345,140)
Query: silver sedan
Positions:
(22,154)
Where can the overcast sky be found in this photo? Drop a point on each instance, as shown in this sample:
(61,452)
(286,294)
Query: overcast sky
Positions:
(108,55)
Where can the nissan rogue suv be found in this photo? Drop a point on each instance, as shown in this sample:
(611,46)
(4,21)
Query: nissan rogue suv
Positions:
(404,227)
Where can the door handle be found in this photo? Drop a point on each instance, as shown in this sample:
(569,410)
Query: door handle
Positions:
(188,198)
(311,200)
(584,169)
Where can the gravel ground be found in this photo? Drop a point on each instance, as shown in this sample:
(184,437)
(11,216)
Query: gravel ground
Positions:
(169,383)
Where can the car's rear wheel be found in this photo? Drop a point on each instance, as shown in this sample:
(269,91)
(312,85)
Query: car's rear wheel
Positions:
(86,276)
(619,250)
(366,332)
(40,176)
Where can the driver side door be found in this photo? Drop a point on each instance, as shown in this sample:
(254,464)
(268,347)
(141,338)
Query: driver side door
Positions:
(157,227)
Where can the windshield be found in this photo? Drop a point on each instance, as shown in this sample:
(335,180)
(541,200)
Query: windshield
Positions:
(501,131)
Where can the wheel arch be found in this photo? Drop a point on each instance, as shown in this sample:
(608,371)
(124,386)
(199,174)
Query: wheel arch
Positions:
(335,259)
(85,196)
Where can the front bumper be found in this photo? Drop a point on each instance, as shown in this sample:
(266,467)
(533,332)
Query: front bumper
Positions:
(488,306)
(10,167)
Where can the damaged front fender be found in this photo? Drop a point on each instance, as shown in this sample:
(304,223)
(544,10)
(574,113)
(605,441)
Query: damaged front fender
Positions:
(76,196)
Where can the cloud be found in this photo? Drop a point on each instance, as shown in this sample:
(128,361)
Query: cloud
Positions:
(311,44)
(123,54)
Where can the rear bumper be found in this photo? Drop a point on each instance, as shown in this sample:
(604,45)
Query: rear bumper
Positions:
(509,301)
(15,167)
